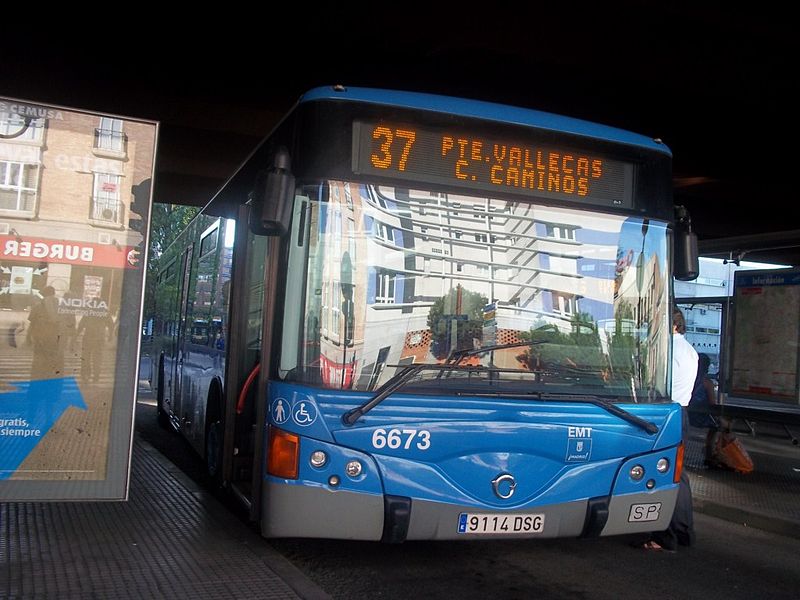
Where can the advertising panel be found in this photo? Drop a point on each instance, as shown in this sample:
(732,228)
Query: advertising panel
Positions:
(75,196)
(766,333)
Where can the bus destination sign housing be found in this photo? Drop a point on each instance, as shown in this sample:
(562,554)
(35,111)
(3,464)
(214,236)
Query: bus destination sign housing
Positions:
(528,167)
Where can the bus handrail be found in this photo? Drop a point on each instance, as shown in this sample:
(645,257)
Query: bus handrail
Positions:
(246,388)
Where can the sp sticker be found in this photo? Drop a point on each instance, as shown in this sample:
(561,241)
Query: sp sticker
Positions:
(640,513)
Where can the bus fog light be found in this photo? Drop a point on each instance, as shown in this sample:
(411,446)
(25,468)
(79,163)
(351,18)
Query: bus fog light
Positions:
(318,458)
(637,472)
(662,466)
(333,480)
(353,468)
(651,483)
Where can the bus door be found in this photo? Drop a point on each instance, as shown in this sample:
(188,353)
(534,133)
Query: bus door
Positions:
(184,331)
(243,356)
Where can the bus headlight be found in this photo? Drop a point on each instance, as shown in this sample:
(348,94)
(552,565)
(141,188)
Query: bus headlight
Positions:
(637,472)
(662,466)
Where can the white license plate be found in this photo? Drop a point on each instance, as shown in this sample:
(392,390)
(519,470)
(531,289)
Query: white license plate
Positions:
(500,523)
(641,513)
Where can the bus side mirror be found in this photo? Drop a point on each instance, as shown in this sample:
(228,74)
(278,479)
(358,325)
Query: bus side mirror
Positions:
(272,196)
(686,266)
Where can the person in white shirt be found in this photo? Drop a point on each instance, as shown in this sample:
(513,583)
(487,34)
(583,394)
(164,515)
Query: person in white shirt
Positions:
(684,361)
(684,373)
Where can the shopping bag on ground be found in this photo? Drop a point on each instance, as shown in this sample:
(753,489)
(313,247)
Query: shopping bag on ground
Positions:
(730,453)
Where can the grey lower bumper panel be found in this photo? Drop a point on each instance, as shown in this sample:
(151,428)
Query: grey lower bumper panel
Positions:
(317,512)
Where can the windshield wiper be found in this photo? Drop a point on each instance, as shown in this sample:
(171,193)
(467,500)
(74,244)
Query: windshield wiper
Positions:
(394,383)
(615,410)
(399,379)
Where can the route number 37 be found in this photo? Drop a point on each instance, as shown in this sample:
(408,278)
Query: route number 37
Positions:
(384,158)
(395,438)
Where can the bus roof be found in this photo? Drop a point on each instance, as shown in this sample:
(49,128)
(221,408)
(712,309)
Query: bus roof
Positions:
(484,110)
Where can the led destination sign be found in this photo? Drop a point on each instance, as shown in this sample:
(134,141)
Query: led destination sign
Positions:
(492,164)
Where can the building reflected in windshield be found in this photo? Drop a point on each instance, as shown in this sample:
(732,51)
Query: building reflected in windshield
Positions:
(398,276)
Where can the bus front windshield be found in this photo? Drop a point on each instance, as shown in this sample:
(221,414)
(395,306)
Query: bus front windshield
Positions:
(384,277)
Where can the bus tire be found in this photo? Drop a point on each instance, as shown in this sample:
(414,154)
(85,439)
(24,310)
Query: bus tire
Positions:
(161,415)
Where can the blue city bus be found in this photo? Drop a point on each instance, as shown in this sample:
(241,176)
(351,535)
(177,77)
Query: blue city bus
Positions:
(412,317)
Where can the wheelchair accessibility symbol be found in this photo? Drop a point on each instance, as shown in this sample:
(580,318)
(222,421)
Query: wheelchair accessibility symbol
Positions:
(304,413)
